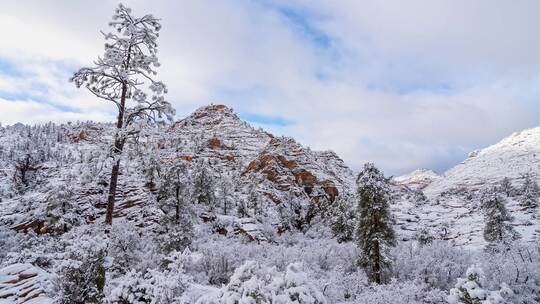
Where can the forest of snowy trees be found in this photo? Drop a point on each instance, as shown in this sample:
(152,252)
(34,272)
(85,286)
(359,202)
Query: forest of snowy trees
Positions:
(167,251)
(142,211)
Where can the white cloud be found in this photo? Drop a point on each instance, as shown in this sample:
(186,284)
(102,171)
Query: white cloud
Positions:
(28,111)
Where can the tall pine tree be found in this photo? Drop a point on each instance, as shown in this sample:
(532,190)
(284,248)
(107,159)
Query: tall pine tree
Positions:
(203,185)
(507,187)
(529,192)
(497,227)
(341,220)
(374,231)
(129,62)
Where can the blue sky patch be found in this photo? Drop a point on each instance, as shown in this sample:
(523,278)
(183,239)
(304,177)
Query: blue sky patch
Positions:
(265,119)
(9,68)
(29,97)
(401,87)
(301,22)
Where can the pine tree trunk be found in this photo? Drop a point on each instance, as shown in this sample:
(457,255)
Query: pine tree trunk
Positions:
(177,215)
(118,147)
(377,263)
(112,192)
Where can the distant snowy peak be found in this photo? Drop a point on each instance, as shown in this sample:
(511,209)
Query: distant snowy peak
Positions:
(418,179)
(512,157)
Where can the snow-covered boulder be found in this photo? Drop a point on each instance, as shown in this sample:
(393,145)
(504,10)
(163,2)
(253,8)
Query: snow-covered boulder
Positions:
(23,283)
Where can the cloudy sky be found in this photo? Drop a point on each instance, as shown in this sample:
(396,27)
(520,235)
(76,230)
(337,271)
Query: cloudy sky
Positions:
(404,86)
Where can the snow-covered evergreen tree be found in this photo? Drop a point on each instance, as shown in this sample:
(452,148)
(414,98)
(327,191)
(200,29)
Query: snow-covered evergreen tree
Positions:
(424,236)
(507,187)
(374,232)
(293,213)
(26,167)
(341,220)
(174,191)
(225,196)
(174,200)
(497,227)
(62,211)
(254,202)
(82,275)
(203,185)
(128,63)
(530,191)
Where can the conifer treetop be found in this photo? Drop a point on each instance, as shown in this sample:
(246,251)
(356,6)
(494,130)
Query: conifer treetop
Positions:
(129,62)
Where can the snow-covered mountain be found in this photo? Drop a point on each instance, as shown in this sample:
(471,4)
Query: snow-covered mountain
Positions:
(251,166)
(277,167)
(418,179)
(512,157)
(452,206)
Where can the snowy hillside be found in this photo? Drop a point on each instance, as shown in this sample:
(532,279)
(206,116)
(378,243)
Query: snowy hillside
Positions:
(246,161)
(452,206)
(512,157)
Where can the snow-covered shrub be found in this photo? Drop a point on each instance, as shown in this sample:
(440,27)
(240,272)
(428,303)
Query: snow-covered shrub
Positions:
(8,243)
(331,266)
(156,286)
(81,279)
(470,290)
(518,266)
(400,293)
(132,247)
(32,248)
(173,237)
(419,196)
(438,264)
(217,267)
(256,283)
(81,267)
(340,284)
